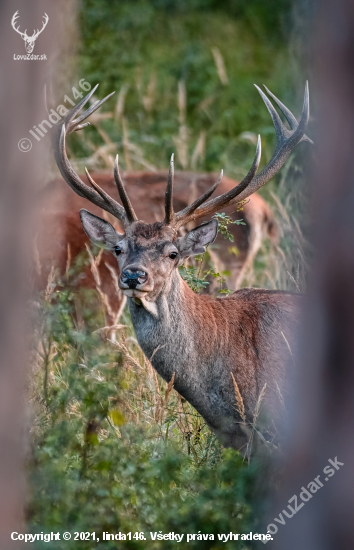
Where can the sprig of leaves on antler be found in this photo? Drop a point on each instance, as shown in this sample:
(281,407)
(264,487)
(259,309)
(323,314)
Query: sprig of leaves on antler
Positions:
(224,220)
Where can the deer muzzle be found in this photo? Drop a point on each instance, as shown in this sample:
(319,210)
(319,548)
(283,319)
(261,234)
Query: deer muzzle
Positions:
(133,278)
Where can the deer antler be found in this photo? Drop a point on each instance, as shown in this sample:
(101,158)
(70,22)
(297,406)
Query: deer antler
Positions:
(13,22)
(169,213)
(286,141)
(196,210)
(96,195)
(37,33)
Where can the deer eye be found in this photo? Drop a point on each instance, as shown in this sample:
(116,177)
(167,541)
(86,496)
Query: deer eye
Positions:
(117,250)
(173,255)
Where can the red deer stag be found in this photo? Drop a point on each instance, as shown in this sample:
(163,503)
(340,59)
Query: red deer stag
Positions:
(212,345)
(61,238)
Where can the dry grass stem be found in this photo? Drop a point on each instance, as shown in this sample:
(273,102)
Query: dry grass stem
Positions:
(119,109)
(126,144)
(271,280)
(37,261)
(155,351)
(149,98)
(199,151)
(50,285)
(287,343)
(182,102)
(239,401)
(280,395)
(181,144)
(158,399)
(68,259)
(114,278)
(220,66)
(127,355)
(258,404)
(96,275)
(281,208)
(294,281)
(169,389)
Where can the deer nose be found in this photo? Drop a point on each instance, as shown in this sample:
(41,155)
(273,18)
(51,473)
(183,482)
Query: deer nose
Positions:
(133,276)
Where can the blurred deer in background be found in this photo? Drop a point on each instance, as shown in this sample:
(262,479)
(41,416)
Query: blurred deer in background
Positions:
(61,238)
(225,354)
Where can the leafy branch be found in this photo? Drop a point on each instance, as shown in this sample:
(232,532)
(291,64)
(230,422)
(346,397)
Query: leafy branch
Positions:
(224,220)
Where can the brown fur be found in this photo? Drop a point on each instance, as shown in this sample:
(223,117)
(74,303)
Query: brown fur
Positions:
(205,343)
(59,223)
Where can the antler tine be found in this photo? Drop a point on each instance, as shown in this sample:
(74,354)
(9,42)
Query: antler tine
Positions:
(97,188)
(192,207)
(75,110)
(169,213)
(286,142)
(132,217)
(286,112)
(71,123)
(90,110)
(222,201)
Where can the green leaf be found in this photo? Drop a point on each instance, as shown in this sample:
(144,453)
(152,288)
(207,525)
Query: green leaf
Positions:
(117,418)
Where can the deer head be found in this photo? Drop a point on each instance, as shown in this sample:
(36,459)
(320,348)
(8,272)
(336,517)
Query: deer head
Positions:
(149,254)
(29,40)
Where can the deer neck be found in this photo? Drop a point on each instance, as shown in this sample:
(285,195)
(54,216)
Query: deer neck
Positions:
(168,332)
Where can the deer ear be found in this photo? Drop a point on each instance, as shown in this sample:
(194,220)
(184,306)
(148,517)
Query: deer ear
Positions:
(99,231)
(196,241)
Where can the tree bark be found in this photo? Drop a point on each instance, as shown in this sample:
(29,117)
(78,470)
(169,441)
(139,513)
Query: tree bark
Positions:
(22,107)
(324,417)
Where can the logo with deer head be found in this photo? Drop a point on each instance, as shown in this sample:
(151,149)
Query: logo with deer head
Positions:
(29,40)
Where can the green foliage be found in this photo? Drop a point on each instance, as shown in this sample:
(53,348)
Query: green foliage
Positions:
(151,46)
(100,461)
(224,221)
(195,276)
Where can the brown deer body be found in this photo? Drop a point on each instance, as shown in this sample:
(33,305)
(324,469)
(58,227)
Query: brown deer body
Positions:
(212,346)
(205,341)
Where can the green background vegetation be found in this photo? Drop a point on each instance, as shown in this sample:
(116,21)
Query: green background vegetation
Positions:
(111,447)
(165,42)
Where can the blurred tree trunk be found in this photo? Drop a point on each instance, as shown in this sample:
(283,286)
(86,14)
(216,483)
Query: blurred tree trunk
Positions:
(325,406)
(22,107)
